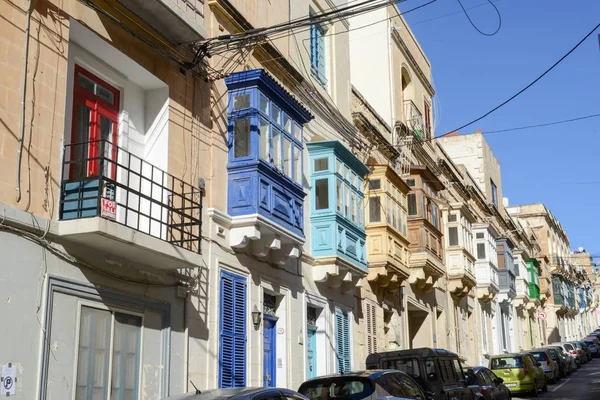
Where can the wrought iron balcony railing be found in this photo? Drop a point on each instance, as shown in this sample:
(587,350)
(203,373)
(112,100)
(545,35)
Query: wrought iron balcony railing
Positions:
(104,180)
(414,119)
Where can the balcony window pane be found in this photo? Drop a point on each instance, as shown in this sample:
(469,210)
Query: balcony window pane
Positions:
(241,101)
(264,139)
(374,184)
(287,123)
(321,164)
(412,204)
(481,251)
(374,209)
(338,194)
(451,217)
(276,148)
(353,205)
(322,194)
(479,235)
(297,132)
(241,138)
(287,156)
(264,104)
(276,114)
(361,212)
(388,210)
(297,165)
(346,201)
(453,236)
(339,167)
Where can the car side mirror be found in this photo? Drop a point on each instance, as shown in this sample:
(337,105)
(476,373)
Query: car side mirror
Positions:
(538,364)
(498,381)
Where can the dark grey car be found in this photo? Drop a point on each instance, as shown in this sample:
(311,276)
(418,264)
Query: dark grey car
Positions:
(241,394)
(364,385)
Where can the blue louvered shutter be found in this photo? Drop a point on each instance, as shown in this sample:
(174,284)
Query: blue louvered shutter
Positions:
(343,340)
(232,346)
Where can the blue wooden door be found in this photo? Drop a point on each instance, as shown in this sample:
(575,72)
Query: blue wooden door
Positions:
(311,354)
(270,352)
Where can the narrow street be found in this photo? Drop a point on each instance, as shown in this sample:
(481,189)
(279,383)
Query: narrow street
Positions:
(581,385)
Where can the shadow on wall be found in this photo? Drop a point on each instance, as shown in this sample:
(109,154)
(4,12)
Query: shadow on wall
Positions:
(554,336)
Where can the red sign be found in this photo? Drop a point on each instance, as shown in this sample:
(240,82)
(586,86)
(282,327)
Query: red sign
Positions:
(542,315)
(108,209)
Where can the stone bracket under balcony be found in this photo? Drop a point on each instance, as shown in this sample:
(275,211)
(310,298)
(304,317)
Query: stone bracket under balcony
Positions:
(386,276)
(459,285)
(486,293)
(260,237)
(337,273)
(425,270)
(521,303)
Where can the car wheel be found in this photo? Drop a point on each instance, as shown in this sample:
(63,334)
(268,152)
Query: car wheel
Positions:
(545,387)
(535,389)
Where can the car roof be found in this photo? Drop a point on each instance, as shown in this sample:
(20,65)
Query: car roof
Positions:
(371,374)
(230,393)
(476,369)
(507,355)
(423,352)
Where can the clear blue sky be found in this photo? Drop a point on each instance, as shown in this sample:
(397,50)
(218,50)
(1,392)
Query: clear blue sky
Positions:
(472,73)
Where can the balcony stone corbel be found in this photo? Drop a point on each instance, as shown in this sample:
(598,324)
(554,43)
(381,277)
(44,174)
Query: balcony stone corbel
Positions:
(239,237)
(262,246)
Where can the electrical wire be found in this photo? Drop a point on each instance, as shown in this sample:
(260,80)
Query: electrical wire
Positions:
(448,15)
(475,26)
(530,84)
(564,121)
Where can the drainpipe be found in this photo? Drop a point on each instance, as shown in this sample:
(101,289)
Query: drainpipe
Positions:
(23,94)
(392,28)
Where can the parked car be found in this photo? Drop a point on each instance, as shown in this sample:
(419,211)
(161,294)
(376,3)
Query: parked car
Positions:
(586,350)
(583,359)
(240,394)
(437,371)
(364,385)
(490,386)
(566,352)
(573,351)
(520,372)
(593,344)
(549,366)
(562,360)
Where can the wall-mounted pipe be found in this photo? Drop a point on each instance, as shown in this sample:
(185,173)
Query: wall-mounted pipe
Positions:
(23,108)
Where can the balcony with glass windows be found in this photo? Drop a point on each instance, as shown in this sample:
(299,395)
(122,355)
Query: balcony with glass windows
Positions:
(486,263)
(182,22)
(337,232)
(265,194)
(522,280)
(460,261)
(118,204)
(387,228)
(425,235)
(559,295)
(506,269)
(545,281)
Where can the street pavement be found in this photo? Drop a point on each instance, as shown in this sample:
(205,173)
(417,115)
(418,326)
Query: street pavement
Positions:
(581,385)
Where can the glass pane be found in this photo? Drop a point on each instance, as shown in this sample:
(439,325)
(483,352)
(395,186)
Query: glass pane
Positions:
(105,94)
(298,165)
(353,205)
(264,139)
(287,123)
(338,194)
(297,131)
(93,354)
(80,139)
(106,145)
(374,184)
(86,83)
(241,138)
(126,357)
(453,236)
(276,114)
(287,156)
(346,201)
(241,101)
(264,104)
(321,164)
(276,148)
(321,194)
(361,212)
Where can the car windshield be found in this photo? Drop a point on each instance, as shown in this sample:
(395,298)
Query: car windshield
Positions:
(590,342)
(568,346)
(343,387)
(540,356)
(507,362)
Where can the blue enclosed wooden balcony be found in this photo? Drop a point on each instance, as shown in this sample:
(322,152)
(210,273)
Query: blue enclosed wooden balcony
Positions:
(265,193)
(338,238)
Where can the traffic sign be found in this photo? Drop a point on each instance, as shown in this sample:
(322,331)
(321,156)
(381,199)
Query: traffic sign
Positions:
(542,315)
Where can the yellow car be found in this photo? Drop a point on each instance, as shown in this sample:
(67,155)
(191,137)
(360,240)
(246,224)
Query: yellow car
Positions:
(520,372)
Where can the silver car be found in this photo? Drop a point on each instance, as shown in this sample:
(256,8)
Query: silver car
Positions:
(549,366)
(567,352)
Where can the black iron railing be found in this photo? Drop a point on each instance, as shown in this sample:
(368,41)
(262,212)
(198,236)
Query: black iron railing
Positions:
(104,180)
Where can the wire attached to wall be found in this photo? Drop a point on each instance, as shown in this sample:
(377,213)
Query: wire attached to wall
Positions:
(475,26)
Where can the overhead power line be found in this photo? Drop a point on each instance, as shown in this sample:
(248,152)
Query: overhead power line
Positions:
(530,84)
(564,121)
(475,26)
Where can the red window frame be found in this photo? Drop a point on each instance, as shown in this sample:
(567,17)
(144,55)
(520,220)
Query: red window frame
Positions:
(98,107)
